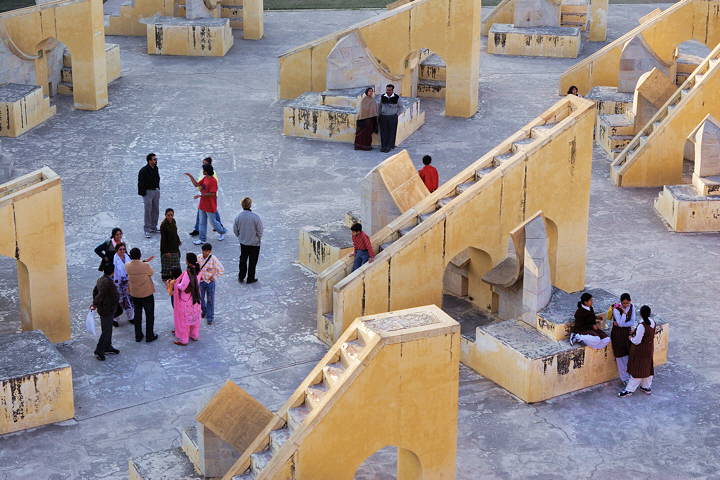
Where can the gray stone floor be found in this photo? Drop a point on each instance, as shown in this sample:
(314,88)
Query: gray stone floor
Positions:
(185,108)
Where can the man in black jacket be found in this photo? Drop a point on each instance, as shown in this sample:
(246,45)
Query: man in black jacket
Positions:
(105,301)
(149,189)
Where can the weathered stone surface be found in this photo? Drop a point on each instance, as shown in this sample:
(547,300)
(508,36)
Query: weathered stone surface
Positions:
(536,13)
(637,58)
(350,64)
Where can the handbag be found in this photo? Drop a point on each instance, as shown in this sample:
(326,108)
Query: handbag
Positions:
(90,323)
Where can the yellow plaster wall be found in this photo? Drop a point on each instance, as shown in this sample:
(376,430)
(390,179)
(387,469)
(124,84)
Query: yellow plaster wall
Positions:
(79,24)
(534,44)
(24,114)
(32,208)
(449,28)
(553,176)
(190,40)
(128,22)
(686,20)
(36,399)
(695,214)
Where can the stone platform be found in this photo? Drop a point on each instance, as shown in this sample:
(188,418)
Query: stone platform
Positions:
(35,382)
(331,116)
(533,367)
(507,39)
(557,318)
(684,210)
(198,37)
(22,107)
(610,101)
(319,247)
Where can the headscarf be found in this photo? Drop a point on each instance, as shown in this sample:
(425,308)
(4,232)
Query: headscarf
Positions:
(368,108)
(120,273)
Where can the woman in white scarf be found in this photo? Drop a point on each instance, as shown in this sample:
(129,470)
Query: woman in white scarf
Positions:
(120,278)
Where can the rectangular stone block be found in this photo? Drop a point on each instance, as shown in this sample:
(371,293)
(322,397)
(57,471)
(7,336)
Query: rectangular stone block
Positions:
(307,117)
(534,368)
(35,382)
(22,107)
(320,247)
(609,101)
(507,39)
(614,132)
(684,209)
(205,37)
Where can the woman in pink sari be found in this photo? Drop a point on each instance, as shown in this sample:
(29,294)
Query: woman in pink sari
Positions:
(186,299)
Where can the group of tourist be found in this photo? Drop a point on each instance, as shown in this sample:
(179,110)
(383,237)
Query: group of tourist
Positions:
(632,341)
(126,287)
(378,116)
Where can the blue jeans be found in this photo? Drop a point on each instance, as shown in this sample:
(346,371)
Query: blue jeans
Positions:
(197,219)
(207,300)
(361,257)
(203,224)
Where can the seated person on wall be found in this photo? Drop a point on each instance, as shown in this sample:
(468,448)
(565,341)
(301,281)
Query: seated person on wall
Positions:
(586,330)
(640,365)
(363,252)
(624,318)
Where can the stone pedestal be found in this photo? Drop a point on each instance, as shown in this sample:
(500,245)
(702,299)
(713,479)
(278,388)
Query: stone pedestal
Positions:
(431,81)
(685,210)
(22,107)
(507,39)
(200,37)
(35,382)
(609,101)
(331,116)
(320,247)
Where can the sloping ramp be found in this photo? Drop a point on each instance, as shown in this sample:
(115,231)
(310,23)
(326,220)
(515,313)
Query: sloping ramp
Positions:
(390,379)
(654,157)
(544,166)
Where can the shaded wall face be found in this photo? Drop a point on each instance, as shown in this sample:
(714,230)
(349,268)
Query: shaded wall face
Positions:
(14,69)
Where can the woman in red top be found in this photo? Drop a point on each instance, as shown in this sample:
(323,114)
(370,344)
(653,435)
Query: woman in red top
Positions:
(208,204)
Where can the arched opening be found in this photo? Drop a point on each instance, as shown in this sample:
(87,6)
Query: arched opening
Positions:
(425,77)
(390,463)
(466,297)
(49,68)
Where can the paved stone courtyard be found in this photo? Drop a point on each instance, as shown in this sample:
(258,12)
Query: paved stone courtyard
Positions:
(184,108)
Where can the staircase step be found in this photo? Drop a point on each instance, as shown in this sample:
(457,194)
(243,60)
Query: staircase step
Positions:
(352,349)
(315,393)
(499,159)
(699,77)
(332,372)
(464,186)
(296,416)
(259,460)
(482,172)
(424,216)
(406,230)
(714,61)
(386,245)
(278,438)
(684,92)
(444,201)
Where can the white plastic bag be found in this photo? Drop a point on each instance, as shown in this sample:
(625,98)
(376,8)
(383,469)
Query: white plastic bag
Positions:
(90,322)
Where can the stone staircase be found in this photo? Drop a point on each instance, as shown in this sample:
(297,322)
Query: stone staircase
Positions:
(275,446)
(574,15)
(409,226)
(691,88)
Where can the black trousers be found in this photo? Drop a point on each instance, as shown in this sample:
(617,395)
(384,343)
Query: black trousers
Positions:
(147,304)
(388,131)
(105,342)
(248,260)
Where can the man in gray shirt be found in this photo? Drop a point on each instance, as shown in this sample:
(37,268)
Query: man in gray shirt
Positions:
(248,228)
(388,108)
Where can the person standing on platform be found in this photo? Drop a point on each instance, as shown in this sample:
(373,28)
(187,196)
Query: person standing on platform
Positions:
(586,330)
(105,301)
(141,288)
(149,189)
(169,245)
(366,121)
(196,231)
(249,229)
(389,110)
(186,302)
(624,319)
(363,250)
(640,365)
(429,174)
(208,204)
(210,269)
